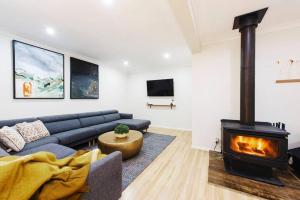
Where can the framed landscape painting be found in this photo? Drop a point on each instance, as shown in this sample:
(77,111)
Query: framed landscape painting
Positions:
(38,72)
(84,79)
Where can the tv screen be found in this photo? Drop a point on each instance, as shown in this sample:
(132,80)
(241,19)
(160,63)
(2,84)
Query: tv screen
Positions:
(162,87)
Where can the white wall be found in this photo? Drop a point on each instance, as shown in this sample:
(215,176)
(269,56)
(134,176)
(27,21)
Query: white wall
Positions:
(118,90)
(216,76)
(177,118)
(112,83)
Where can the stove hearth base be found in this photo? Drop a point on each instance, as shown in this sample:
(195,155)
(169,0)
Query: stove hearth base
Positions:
(217,175)
(251,171)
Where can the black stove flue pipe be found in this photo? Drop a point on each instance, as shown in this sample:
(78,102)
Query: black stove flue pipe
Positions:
(247,24)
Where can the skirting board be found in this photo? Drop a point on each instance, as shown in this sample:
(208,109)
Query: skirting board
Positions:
(205,148)
(166,127)
(201,148)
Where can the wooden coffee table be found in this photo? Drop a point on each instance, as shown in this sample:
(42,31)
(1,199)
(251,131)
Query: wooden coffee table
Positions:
(129,146)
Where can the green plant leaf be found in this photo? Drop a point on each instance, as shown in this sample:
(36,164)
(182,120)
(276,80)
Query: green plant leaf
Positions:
(121,129)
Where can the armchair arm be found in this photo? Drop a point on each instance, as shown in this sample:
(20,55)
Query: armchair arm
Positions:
(126,116)
(105,178)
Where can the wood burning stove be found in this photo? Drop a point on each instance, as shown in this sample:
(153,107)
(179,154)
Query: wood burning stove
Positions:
(252,149)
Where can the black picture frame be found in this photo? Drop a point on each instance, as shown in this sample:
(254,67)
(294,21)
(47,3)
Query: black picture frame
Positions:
(76,63)
(14,42)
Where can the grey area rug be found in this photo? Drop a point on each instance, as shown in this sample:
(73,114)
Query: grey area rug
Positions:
(153,145)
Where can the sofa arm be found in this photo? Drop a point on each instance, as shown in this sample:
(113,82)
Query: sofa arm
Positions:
(105,178)
(126,116)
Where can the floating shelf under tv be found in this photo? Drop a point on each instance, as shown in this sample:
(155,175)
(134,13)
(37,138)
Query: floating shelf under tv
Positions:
(171,105)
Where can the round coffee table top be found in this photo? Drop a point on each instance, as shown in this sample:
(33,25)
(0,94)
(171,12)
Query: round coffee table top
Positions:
(110,138)
(129,146)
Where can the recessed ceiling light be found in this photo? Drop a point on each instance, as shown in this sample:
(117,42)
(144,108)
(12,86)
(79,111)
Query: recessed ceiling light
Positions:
(167,56)
(108,2)
(50,31)
(126,63)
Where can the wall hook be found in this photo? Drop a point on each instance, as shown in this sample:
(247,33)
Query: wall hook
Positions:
(292,61)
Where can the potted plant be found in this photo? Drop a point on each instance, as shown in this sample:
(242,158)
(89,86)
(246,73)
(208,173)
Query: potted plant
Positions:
(121,131)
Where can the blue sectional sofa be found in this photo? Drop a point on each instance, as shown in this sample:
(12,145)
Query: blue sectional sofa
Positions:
(105,177)
(74,129)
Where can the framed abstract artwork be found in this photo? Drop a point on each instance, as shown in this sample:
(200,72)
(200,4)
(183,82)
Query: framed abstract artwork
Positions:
(84,79)
(38,73)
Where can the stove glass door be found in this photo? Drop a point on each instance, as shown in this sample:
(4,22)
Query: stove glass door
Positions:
(256,146)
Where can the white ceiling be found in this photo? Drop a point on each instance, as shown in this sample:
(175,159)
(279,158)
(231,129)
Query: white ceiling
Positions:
(139,31)
(213,19)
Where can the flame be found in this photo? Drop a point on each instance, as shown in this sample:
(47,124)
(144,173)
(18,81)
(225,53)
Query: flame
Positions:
(254,146)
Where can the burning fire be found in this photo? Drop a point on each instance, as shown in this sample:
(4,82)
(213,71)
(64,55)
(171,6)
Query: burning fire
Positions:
(254,146)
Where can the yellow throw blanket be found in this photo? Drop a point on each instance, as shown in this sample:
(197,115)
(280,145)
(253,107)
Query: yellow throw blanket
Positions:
(42,176)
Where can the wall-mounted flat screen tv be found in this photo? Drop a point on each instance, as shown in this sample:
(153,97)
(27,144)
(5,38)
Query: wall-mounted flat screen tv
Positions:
(163,87)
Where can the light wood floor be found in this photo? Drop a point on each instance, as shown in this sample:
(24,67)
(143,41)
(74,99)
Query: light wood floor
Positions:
(179,172)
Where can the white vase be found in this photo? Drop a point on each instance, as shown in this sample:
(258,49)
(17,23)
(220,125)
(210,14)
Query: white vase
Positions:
(120,136)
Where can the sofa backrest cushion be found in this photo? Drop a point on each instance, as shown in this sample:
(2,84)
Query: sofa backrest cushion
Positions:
(61,126)
(99,113)
(56,118)
(60,123)
(94,118)
(111,117)
(90,121)
(13,122)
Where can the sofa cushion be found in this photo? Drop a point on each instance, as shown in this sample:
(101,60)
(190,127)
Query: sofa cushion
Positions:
(61,126)
(126,116)
(90,121)
(106,127)
(111,117)
(40,142)
(72,136)
(61,123)
(99,113)
(11,139)
(56,118)
(135,124)
(13,122)
(59,150)
(3,152)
